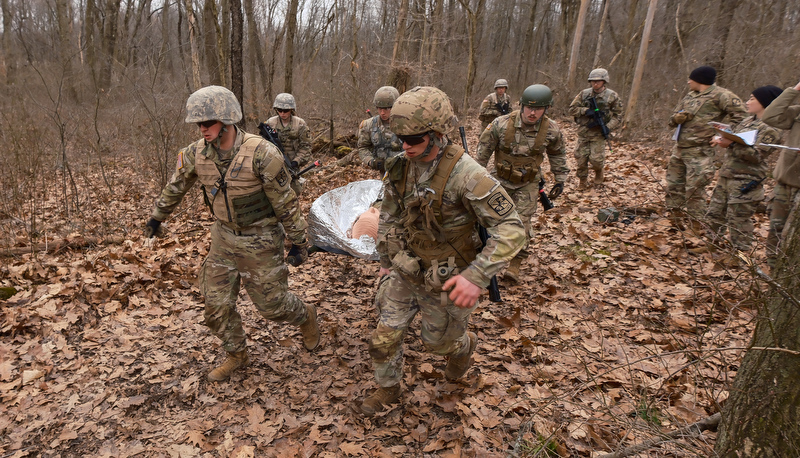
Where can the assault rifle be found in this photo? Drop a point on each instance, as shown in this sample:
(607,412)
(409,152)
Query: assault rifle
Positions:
(597,118)
(494,288)
(269,134)
(503,108)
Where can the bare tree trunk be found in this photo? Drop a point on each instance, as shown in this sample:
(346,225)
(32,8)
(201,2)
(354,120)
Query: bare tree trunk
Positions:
(400,32)
(224,43)
(65,49)
(196,81)
(473,19)
(8,49)
(237,66)
(527,46)
(354,43)
(291,32)
(211,37)
(258,64)
(596,60)
(576,44)
(640,61)
(435,31)
(721,31)
(109,42)
(166,53)
(760,416)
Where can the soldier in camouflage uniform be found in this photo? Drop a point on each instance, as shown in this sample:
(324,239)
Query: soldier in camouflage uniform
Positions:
(519,142)
(498,103)
(739,187)
(292,130)
(376,142)
(782,114)
(245,184)
(691,166)
(591,148)
(428,242)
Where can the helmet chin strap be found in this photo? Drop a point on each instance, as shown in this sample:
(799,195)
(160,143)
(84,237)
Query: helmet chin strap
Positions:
(434,141)
(217,142)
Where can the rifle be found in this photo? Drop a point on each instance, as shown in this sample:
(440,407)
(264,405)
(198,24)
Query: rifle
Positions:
(750,186)
(503,108)
(269,134)
(597,118)
(547,204)
(494,288)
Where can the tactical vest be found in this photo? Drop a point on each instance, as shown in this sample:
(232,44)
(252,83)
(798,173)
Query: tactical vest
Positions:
(422,221)
(519,169)
(289,135)
(237,198)
(381,142)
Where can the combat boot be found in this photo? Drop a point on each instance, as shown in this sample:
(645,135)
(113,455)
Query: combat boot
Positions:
(379,399)
(598,177)
(458,365)
(310,329)
(584,184)
(512,272)
(236,360)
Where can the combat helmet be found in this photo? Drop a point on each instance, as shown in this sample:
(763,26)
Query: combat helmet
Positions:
(422,109)
(598,74)
(284,101)
(536,95)
(385,97)
(213,103)
(501,83)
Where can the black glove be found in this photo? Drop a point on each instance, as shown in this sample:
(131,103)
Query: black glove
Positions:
(556,191)
(152,228)
(297,254)
(294,165)
(376,164)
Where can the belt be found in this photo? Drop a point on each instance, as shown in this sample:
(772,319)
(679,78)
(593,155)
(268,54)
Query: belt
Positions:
(252,230)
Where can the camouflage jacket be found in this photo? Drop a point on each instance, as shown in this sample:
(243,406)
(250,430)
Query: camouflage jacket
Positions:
(713,104)
(489,111)
(782,114)
(470,196)
(295,138)
(608,102)
(493,139)
(749,161)
(376,141)
(276,185)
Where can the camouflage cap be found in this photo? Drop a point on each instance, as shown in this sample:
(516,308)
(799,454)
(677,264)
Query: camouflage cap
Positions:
(385,96)
(284,101)
(422,109)
(501,83)
(598,74)
(213,103)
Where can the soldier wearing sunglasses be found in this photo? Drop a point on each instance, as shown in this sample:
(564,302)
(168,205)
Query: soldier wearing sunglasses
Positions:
(292,130)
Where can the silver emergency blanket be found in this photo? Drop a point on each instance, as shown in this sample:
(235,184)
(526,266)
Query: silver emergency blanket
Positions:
(333,214)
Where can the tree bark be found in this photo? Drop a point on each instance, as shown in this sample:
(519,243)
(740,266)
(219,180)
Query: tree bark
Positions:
(237,65)
(291,32)
(527,47)
(8,49)
(596,60)
(473,17)
(196,81)
(211,37)
(109,43)
(65,49)
(400,32)
(576,44)
(258,66)
(760,416)
(640,61)
(721,31)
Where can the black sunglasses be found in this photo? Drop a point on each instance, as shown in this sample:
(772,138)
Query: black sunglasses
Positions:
(281,110)
(413,139)
(207,124)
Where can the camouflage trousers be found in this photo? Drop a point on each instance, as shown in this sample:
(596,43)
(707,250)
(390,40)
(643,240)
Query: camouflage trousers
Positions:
(689,171)
(784,198)
(590,152)
(525,199)
(256,261)
(733,211)
(443,326)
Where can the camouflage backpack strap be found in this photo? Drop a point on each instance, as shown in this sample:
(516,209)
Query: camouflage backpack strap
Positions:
(541,136)
(452,154)
(511,130)
(396,173)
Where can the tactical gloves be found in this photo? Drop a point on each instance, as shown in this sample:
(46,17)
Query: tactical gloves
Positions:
(153,228)
(298,254)
(556,191)
(682,117)
(376,164)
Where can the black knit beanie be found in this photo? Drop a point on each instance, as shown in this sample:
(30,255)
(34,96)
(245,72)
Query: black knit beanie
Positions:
(766,94)
(704,75)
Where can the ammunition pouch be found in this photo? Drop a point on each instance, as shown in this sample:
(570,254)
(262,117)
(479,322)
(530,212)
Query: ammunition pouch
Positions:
(406,265)
(516,169)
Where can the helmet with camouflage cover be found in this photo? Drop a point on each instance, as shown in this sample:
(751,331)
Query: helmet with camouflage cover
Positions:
(536,95)
(422,109)
(284,101)
(385,97)
(213,103)
(501,83)
(598,74)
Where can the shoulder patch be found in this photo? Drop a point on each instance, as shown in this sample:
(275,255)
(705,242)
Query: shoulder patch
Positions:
(179,166)
(500,203)
(481,187)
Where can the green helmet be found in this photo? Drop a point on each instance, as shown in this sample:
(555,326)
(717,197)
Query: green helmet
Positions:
(536,95)
(284,101)
(501,83)
(598,74)
(213,103)
(385,97)
(422,109)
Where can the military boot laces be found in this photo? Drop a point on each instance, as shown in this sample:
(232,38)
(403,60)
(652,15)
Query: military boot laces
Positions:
(235,360)
(310,329)
(512,272)
(458,365)
(380,399)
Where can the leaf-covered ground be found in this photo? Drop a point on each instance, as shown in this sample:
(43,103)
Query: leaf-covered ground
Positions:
(615,335)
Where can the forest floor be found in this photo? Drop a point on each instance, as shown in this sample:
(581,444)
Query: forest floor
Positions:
(615,335)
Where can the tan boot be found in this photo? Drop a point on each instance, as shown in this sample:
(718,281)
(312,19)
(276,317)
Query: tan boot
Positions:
(458,365)
(512,272)
(584,184)
(236,360)
(310,329)
(598,177)
(379,399)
